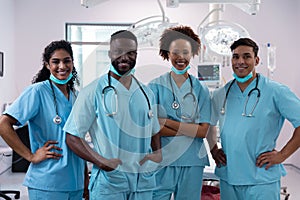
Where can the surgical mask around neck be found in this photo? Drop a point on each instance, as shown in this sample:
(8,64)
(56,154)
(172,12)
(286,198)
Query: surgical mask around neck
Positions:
(244,79)
(60,82)
(176,71)
(112,68)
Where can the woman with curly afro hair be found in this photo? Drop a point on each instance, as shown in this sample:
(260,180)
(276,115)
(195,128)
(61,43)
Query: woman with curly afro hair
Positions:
(184,113)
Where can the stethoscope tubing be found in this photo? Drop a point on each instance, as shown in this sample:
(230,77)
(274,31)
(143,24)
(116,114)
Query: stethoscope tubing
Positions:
(108,87)
(248,96)
(57,119)
(150,113)
(176,105)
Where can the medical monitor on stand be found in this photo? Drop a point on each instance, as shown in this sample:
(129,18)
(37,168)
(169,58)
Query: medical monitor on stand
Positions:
(210,74)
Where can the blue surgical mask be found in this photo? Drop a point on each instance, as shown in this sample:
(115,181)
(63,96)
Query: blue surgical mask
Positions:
(112,68)
(244,79)
(176,71)
(61,82)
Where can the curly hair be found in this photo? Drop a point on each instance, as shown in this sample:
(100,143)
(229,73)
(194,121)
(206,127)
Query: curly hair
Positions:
(44,73)
(178,32)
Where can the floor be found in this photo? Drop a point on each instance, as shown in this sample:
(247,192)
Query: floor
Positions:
(9,180)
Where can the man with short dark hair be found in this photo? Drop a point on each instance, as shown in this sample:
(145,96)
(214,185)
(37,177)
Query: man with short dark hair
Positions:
(250,111)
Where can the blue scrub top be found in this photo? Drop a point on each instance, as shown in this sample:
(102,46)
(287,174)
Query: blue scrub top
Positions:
(243,139)
(36,106)
(182,150)
(126,135)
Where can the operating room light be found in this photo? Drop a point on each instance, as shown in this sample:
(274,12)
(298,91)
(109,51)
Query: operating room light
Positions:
(217,36)
(149,29)
(219,39)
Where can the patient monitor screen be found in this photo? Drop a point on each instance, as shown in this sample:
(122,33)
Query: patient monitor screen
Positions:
(209,72)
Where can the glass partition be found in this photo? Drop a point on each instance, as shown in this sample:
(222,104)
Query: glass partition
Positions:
(90,43)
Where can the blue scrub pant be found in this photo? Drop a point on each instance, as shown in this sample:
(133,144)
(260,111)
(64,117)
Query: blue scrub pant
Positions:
(123,196)
(184,182)
(250,192)
(35,194)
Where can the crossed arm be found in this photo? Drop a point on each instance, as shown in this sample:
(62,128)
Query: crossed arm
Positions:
(171,127)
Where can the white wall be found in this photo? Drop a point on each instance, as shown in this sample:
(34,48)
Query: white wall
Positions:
(32,24)
(7,39)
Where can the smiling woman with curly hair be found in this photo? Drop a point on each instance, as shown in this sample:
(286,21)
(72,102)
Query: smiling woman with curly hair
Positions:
(55,171)
(184,112)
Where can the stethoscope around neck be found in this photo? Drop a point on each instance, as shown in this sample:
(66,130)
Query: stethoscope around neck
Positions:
(110,87)
(176,105)
(57,119)
(246,103)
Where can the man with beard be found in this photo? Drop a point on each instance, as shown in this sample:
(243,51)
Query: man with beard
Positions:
(118,113)
(251,110)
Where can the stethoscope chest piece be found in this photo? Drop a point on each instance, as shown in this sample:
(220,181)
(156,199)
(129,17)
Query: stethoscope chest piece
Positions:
(57,119)
(175,105)
(150,114)
(222,111)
